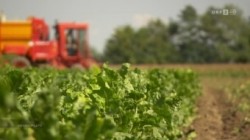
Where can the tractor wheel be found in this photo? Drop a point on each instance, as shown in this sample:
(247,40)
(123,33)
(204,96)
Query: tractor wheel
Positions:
(20,62)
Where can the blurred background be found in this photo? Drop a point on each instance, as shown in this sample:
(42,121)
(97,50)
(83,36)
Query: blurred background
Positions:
(152,31)
(210,37)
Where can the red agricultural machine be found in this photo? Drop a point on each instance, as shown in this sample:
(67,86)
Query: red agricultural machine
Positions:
(26,43)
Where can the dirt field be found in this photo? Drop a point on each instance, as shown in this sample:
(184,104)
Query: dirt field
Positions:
(218,119)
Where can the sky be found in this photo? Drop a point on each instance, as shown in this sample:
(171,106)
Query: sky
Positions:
(104,16)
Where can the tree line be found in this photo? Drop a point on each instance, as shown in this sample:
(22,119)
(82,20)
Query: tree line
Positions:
(206,38)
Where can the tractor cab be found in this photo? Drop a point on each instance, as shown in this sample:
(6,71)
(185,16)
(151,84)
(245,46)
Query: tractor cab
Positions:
(72,41)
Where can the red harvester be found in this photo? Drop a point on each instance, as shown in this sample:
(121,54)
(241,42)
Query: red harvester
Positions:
(25,43)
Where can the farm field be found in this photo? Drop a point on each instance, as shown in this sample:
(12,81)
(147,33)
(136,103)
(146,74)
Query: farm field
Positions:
(98,104)
(202,102)
(223,109)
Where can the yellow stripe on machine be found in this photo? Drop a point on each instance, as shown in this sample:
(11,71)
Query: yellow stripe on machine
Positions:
(15,30)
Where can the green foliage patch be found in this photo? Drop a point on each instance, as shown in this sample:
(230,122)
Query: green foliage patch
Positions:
(96,104)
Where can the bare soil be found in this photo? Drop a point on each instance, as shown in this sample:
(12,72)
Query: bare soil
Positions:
(218,118)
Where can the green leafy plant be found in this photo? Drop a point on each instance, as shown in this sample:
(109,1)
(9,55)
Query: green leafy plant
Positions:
(96,104)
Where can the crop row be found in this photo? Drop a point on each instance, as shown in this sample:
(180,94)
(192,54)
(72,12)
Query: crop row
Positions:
(96,104)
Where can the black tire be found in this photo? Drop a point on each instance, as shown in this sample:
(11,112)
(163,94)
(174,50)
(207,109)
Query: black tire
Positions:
(20,62)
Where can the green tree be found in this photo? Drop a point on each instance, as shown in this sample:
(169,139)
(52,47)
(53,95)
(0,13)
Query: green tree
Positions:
(228,34)
(153,43)
(193,38)
(189,14)
(189,38)
(149,44)
(211,37)
(119,48)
